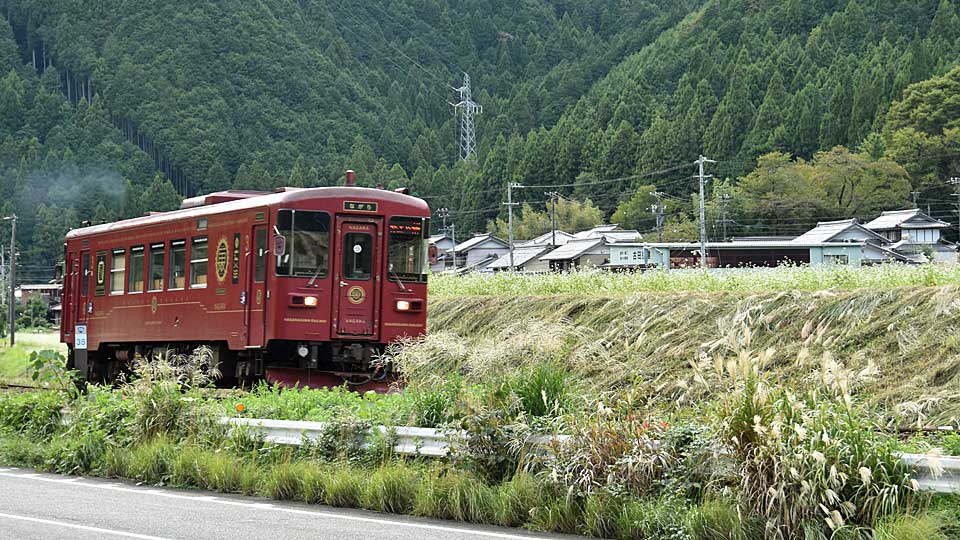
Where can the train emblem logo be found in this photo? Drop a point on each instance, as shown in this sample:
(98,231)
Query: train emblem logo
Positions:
(154,304)
(355,295)
(222,260)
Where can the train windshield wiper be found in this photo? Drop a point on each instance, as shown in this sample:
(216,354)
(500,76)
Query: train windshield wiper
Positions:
(320,267)
(399,281)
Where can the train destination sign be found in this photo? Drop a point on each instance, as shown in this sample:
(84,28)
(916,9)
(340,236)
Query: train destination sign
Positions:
(408,227)
(358,206)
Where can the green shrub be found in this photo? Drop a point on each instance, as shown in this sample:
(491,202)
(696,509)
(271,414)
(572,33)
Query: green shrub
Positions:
(20,451)
(600,513)
(457,496)
(151,462)
(186,469)
(313,484)
(115,462)
(76,454)
(391,489)
(516,498)
(344,488)
(282,481)
(434,408)
(905,527)
(157,388)
(652,519)
(541,390)
(35,414)
(486,451)
(718,519)
(561,514)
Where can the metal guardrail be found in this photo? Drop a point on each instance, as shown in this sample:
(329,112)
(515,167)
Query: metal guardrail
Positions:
(410,441)
(937,474)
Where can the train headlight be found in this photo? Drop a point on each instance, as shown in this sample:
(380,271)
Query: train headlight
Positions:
(403,305)
(310,301)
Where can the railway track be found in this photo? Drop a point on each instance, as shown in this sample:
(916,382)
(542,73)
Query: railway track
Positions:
(6,387)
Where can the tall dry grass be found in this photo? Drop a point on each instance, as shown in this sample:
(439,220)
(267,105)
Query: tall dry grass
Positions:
(907,338)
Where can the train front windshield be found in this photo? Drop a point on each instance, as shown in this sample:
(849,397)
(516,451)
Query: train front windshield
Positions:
(407,249)
(308,243)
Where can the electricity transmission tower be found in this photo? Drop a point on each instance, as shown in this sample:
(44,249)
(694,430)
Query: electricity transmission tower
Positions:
(703,214)
(658,210)
(468,109)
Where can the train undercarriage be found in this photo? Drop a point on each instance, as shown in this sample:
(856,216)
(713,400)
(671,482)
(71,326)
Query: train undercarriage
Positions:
(362,366)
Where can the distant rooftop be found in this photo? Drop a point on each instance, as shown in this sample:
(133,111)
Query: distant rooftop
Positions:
(826,231)
(572,249)
(545,239)
(906,219)
(477,240)
(595,232)
(521,256)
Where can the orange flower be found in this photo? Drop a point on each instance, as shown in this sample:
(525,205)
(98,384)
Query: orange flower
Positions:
(241,407)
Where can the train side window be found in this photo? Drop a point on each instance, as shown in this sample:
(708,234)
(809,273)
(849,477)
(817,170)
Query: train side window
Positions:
(135,283)
(260,252)
(198,263)
(118,267)
(85,275)
(177,278)
(357,256)
(155,267)
(100,278)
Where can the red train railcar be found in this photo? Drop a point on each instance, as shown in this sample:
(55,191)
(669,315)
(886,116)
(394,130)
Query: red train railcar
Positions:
(314,279)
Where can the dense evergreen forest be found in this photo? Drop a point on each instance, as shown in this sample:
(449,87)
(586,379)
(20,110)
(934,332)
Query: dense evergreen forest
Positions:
(812,109)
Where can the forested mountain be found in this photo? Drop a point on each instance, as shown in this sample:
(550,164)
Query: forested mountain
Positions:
(604,100)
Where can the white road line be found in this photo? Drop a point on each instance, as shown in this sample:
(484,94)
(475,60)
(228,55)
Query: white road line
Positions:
(159,492)
(82,527)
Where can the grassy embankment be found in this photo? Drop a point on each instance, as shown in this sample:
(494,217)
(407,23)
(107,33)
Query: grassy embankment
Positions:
(897,338)
(14,362)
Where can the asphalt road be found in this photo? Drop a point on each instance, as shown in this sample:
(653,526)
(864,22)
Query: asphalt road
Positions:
(37,506)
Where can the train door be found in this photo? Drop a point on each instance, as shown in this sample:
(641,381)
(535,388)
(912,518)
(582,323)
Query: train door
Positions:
(255,300)
(357,265)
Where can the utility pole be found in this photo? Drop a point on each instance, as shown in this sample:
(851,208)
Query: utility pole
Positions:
(468,109)
(915,194)
(554,195)
(443,214)
(724,201)
(453,236)
(12,309)
(658,210)
(3,281)
(510,204)
(703,213)
(955,181)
